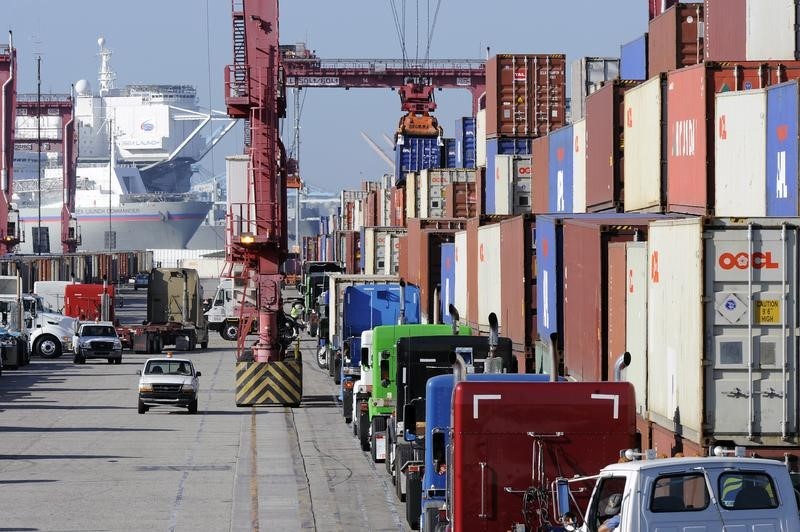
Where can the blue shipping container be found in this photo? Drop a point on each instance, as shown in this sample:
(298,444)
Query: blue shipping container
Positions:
(782,153)
(465,142)
(500,146)
(448,281)
(548,286)
(560,171)
(415,154)
(450,156)
(633,59)
(370,305)
(323,248)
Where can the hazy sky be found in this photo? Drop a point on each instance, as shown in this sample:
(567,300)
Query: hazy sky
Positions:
(189,41)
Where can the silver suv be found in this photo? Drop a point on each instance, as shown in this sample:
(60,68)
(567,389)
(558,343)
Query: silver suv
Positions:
(97,340)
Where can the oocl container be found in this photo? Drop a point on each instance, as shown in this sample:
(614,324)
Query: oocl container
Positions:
(495,147)
(588,75)
(525,95)
(645,130)
(722,329)
(579,166)
(381,250)
(783,114)
(512,184)
(540,168)
(518,286)
(447,282)
(740,139)
(489,272)
(675,38)
(431,184)
(633,59)
(560,171)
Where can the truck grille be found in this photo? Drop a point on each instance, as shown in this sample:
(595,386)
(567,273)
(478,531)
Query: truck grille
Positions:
(166,388)
(105,346)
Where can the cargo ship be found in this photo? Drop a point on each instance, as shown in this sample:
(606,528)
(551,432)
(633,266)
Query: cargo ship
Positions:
(136,149)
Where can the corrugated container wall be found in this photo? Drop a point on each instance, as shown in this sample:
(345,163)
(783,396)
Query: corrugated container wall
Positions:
(617,284)
(636,320)
(675,38)
(579,166)
(460,200)
(588,75)
(725,30)
(772,31)
(489,271)
(656,7)
(413,154)
(518,285)
(381,250)
(604,142)
(398,207)
(460,258)
(783,116)
(480,138)
(740,153)
(495,147)
(645,138)
(431,184)
(447,281)
(525,95)
(560,171)
(512,184)
(541,175)
(633,59)
(465,142)
(449,156)
(728,375)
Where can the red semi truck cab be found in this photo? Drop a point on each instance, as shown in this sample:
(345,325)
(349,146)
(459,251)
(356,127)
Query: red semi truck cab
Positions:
(512,439)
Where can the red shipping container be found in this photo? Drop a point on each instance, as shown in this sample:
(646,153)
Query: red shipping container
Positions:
(726,30)
(460,200)
(540,175)
(402,245)
(669,444)
(617,308)
(690,128)
(585,260)
(518,285)
(604,146)
(525,95)
(655,7)
(674,40)
(480,190)
(398,207)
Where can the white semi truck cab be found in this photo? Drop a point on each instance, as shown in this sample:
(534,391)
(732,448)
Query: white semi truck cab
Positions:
(685,494)
(223,316)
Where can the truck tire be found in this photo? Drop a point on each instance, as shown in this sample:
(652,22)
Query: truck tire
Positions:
(229,331)
(193,407)
(47,346)
(363,429)
(322,359)
(337,370)
(204,345)
(142,407)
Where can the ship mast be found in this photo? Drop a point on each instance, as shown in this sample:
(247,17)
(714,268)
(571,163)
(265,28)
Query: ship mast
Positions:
(106,76)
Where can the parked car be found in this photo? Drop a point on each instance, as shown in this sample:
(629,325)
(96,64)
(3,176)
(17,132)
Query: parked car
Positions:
(167,381)
(141,280)
(97,339)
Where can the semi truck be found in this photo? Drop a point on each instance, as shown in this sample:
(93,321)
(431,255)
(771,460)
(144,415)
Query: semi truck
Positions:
(313,282)
(364,307)
(224,314)
(727,491)
(174,312)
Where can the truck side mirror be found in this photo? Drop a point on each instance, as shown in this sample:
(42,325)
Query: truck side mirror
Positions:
(198,374)
(409,422)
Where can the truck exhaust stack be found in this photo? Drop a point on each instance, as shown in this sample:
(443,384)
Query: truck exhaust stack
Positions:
(622,362)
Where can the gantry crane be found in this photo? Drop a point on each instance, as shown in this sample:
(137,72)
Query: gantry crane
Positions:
(9,216)
(269,373)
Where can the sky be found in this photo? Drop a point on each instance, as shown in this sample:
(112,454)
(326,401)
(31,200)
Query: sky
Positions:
(190,42)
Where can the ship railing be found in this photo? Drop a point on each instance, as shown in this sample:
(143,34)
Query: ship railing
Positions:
(45,98)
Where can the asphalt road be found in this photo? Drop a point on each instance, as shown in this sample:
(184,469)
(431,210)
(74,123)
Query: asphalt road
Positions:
(75,455)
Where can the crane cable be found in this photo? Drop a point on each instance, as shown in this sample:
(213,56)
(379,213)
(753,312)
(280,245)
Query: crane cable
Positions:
(432,26)
(400,27)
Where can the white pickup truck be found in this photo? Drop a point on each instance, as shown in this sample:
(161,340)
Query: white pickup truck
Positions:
(685,494)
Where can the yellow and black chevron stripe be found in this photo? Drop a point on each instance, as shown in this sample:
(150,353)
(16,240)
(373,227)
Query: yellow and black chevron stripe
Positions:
(269,383)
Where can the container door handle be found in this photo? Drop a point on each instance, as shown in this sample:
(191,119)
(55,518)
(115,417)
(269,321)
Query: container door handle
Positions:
(737,392)
(483,514)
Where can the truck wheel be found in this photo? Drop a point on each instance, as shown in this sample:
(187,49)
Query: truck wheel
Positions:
(48,346)
(230,331)
(142,407)
(204,345)
(363,430)
(110,360)
(322,358)
(193,407)
(337,371)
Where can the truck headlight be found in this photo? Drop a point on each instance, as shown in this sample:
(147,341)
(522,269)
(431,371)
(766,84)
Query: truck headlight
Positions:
(187,388)
(145,388)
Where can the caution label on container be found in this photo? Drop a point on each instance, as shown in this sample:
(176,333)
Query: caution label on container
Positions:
(768,311)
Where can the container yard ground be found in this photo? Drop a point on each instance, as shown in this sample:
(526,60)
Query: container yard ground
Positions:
(75,455)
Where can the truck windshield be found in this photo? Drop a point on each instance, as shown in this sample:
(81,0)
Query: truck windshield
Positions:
(168,367)
(98,330)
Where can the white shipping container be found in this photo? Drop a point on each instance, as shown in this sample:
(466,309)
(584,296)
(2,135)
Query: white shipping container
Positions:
(722,329)
(376,259)
(411,195)
(480,138)
(431,187)
(643,140)
(771,30)
(489,272)
(460,266)
(358,216)
(512,184)
(207,268)
(579,166)
(588,74)
(636,322)
(170,258)
(740,153)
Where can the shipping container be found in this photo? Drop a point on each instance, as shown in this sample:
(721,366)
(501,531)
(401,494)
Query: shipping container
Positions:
(398,207)
(540,176)
(690,106)
(560,171)
(512,184)
(585,291)
(447,281)
(783,115)
(518,287)
(480,138)
(430,190)
(656,7)
(725,30)
(645,138)
(525,95)
(495,147)
(472,314)
(381,250)
(480,190)
(489,263)
(772,31)
(449,156)
(740,147)
(588,75)
(617,284)
(604,146)
(413,154)
(636,321)
(460,259)
(579,166)
(723,329)
(460,200)
(675,39)
(411,195)
(466,142)
(633,59)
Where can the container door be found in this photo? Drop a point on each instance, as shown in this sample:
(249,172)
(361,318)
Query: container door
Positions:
(636,319)
(751,321)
